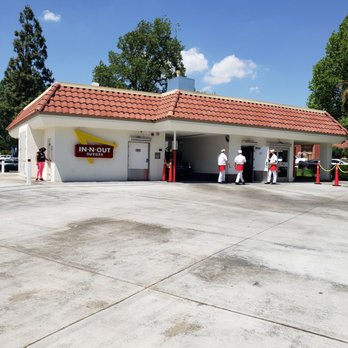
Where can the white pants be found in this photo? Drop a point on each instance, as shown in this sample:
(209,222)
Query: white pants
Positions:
(239,177)
(269,176)
(222,176)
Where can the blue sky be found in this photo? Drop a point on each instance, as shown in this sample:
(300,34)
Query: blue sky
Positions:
(254,49)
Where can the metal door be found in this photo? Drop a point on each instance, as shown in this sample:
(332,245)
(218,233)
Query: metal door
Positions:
(138,161)
(283,164)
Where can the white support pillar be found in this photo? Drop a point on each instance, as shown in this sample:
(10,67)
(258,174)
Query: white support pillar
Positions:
(291,163)
(28,171)
(174,156)
(234,144)
(174,141)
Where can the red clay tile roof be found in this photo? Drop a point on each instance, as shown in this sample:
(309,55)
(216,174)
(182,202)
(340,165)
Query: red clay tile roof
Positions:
(89,101)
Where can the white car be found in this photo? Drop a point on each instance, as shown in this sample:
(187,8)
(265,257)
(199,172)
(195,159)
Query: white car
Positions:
(300,159)
(335,161)
(5,157)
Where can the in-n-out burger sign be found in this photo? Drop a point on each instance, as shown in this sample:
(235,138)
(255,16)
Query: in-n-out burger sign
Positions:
(94,151)
(100,148)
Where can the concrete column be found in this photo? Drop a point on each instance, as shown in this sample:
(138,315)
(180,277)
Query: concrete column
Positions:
(233,147)
(174,156)
(28,171)
(325,160)
(291,163)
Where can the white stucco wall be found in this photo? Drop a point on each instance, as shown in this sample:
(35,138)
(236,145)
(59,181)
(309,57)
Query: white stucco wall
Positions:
(67,167)
(201,148)
(157,144)
(22,149)
(30,140)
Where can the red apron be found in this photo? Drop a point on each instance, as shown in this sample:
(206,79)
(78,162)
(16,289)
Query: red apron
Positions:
(222,168)
(239,167)
(273,168)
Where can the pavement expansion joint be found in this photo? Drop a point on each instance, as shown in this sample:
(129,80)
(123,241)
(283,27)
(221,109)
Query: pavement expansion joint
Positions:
(253,316)
(84,318)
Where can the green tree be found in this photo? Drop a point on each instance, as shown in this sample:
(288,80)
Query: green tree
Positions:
(148,56)
(6,113)
(26,75)
(344,120)
(330,76)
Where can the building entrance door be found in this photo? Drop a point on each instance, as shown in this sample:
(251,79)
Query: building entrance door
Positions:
(248,152)
(283,164)
(138,161)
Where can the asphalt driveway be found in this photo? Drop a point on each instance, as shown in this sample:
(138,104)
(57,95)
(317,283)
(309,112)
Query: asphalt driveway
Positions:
(152,264)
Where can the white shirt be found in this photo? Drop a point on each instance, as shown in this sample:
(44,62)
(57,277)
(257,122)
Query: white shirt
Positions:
(274,159)
(222,159)
(240,159)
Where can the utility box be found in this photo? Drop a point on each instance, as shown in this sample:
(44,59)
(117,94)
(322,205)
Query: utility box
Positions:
(181,82)
(260,158)
(260,163)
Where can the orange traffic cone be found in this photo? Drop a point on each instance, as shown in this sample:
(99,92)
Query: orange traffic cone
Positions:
(170,179)
(317,178)
(336,183)
(164,171)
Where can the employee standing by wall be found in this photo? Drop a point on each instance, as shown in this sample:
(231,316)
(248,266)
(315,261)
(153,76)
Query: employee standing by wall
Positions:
(239,162)
(272,168)
(222,163)
(40,162)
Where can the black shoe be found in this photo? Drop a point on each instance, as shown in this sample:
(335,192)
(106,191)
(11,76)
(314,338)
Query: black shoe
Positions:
(237,183)
(243,183)
(41,179)
(267,183)
(274,183)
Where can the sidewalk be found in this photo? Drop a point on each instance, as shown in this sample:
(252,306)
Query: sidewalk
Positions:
(156,264)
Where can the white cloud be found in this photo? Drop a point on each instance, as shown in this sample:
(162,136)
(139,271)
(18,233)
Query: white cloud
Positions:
(49,16)
(255,89)
(194,61)
(207,89)
(229,68)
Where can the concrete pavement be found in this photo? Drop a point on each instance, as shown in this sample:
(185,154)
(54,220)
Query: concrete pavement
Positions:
(152,264)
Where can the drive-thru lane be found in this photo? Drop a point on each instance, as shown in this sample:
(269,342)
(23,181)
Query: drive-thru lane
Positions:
(153,264)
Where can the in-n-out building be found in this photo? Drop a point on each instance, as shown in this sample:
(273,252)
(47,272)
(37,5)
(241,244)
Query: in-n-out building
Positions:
(95,133)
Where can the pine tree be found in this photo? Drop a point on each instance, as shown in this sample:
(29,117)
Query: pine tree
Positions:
(26,76)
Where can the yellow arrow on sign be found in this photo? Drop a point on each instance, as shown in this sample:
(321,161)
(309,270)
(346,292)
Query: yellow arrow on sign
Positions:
(85,137)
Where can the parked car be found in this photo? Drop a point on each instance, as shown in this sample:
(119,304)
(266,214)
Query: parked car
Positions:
(308,164)
(10,164)
(299,160)
(3,157)
(335,161)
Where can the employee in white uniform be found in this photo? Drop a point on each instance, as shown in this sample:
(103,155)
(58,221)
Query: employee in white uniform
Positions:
(222,163)
(239,162)
(272,168)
